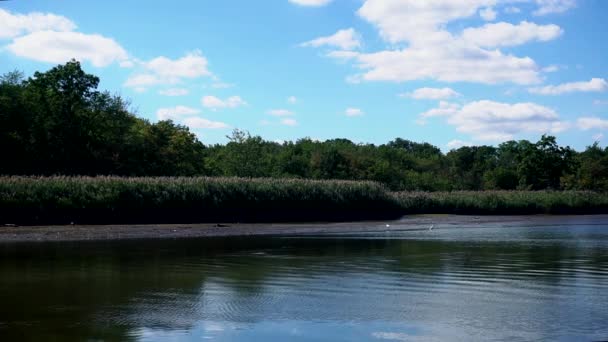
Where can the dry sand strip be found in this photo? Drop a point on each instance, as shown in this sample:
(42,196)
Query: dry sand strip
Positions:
(175,231)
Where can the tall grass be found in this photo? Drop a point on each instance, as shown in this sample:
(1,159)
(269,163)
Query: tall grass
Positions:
(60,200)
(105,200)
(504,202)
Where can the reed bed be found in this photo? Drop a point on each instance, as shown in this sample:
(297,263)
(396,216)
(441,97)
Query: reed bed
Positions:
(119,200)
(504,202)
(105,200)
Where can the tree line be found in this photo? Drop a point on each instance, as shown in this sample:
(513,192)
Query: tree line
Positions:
(58,123)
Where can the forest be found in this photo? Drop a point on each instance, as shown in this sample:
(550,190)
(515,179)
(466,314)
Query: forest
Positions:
(58,123)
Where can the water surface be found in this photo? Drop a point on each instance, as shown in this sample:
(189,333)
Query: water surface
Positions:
(538,280)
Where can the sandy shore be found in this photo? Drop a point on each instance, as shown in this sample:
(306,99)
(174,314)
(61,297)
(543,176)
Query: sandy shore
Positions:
(416,222)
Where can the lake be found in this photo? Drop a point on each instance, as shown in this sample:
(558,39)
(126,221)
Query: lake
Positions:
(539,279)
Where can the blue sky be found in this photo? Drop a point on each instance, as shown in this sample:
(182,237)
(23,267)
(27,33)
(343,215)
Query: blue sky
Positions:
(448,72)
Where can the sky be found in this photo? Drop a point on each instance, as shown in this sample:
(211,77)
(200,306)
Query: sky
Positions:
(448,72)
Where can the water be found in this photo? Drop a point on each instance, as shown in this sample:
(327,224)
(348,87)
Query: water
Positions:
(538,281)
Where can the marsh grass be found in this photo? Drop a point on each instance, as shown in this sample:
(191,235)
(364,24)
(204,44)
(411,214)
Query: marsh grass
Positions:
(504,202)
(87,200)
(119,200)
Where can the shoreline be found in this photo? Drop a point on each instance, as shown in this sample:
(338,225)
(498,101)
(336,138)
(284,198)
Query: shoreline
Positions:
(76,233)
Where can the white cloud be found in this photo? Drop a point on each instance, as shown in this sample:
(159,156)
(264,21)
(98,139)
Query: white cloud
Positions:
(488,14)
(165,71)
(588,123)
(292,100)
(507,34)
(13,25)
(600,102)
(193,65)
(60,47)
(175,113)
(494,121)
(551,68)
(127,64)
(594,85)
(217,103)
(347,39)
(342,54)
(289,122)
(418,21)
(447,64)
(455,144)
(313,3)
(553,6)
(353,112)
(598,137)
(174,92)
(200,123)
(431,51)
(432,94)
(142,81)
(281,112)
(445,109)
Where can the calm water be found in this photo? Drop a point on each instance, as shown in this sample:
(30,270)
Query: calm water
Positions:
(521,282)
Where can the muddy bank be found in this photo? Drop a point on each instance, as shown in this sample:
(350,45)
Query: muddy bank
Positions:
(176,231)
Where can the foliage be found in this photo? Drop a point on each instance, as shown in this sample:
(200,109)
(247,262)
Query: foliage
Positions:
(58,123)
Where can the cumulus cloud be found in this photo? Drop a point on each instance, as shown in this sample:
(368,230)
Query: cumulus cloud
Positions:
(587,123)
(13,25)
(594,85)
(313,3)
(551,68)
(432,94)
(192,65)
(353,112)
(200,123)
(553,6)
(488,14)
(142,81)
(433,52)
(495,121)
(174,92)
(165,71)
(507,34)
(347,39)
(343,54)
(215,103)
(175,113)
(448,64)
(60,47)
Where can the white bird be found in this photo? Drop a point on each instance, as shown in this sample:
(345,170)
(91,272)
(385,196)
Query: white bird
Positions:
(431,227)
(388,225)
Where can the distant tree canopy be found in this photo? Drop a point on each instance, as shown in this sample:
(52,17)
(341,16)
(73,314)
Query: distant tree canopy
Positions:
(58,123)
